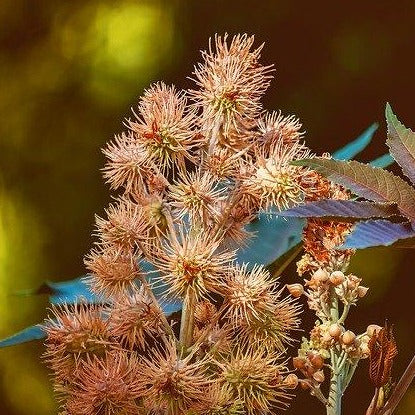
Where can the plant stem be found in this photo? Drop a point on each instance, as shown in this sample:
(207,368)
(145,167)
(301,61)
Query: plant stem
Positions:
(335,394)
(400,389)
(372,409)
(187,321)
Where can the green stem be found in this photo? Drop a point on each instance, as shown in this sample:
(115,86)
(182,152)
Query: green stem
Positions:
(188,317)
(335,394)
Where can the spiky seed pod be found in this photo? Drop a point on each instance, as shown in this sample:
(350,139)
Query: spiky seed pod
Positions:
(249,294)
(192,261)
(174,382)
(164,126)
(106,386)
(73,334)
(219,402)
(126,224)
(256,378)
(128,164)
(205,313)
(274,330)
(197,195)
(275,128)
(134,319)
(276,181)
(223,164)
(231,83)
(113,272)
(216,339)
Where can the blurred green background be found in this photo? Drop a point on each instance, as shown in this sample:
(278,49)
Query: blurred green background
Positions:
(71,70)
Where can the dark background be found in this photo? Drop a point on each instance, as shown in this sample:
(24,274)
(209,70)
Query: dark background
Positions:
(69,72)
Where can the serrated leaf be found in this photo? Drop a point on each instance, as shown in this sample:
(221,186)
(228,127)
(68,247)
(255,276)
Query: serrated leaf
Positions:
(347,210)
(366,181)
(401,142)
(29,334)
(353,148)
(377,233)
(274,236)
(383,161)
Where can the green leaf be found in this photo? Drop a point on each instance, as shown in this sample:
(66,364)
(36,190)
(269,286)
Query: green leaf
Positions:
(353,148)
(29,334)
(366,181)
(347,210)
(401,142)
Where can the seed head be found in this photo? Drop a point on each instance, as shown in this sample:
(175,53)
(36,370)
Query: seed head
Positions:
(128,164)
(126,224)
(73,334)
(134,320)
(192,261)
(231,83)
(256,378)
(275,128)
(276,181)
(198,195)
(113,271)
(106,386)
(249,295)
(171,381)
(164,126)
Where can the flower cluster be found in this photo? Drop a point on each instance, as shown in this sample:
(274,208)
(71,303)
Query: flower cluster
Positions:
(193,169)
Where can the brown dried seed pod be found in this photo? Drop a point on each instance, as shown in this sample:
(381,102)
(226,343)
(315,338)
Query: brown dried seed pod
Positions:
(291,381)
(335,330)
(362,291)
(348,338)
(316,360)
(319,376)
(321,275)
(296,290)
(337,278)
(298,362)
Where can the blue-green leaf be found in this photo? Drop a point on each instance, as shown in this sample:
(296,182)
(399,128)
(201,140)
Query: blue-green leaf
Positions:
(356,146)
(383,161)
(378,233)
(75,290)
(29,334)
(274,236)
